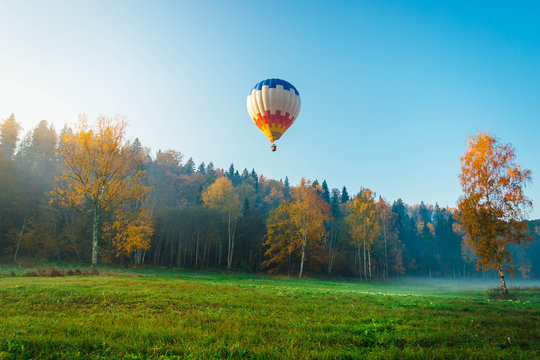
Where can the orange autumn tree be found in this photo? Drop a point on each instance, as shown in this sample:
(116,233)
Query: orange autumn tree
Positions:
(282,238)
(101,174)
(493,207)
(296,228)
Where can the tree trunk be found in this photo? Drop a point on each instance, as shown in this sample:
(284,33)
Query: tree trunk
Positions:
(75,246)
(204,261)
(358,261)
(503,283)
(178,252)
(185,254)
(20,239)
(369,263)
(95,227)
(385,245)
(289,272)
(302,260)
(197,252)
(56,243)
(232,230)
(365,264)
(229,245)
(219,261)
(331,248)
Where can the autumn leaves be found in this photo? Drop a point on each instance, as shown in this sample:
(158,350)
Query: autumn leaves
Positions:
(101,174)
(297,230)
(493,207)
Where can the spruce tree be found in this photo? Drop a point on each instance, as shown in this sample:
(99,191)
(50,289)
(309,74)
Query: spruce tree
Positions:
(255,179)
(245,176)
(334,203)
(189,167)
(287,188)
(9,136)
(202,169)
(344,195)
(326,192)
(230,173)
(245,208)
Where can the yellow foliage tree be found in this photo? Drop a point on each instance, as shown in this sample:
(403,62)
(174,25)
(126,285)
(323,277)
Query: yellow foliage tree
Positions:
(297,226)
(493,207)
(282,238)
(364,224)
(221,196)
(101,173)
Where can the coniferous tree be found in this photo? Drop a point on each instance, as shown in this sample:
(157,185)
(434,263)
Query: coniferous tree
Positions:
(9,136)
(344,195)
(403,225)
(236,179)
(325,192)
(287,188)
(245,207)
(189,167)
(255,180)
(334,228)
(419,239)
(245,176)
(202,169)
(230,173)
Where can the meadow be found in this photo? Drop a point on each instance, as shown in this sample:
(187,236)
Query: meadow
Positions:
(168,314)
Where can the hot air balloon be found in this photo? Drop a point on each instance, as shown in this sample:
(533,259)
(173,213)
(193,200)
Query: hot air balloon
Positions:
(273,106)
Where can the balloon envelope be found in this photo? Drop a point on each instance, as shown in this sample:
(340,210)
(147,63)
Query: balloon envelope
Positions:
(273,106)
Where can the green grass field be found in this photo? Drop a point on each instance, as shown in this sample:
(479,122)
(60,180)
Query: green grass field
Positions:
(159,314)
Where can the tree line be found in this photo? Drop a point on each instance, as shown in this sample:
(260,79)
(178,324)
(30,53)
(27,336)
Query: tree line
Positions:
(87,194)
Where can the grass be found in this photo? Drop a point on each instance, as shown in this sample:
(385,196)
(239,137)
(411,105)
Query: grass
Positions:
(158,314)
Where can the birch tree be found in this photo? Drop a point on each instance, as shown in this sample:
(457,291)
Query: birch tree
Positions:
(221,196)
(493,206)
(364,225)
(101,174)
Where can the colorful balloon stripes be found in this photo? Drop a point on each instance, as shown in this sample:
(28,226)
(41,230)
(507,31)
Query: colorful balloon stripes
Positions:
(273,105)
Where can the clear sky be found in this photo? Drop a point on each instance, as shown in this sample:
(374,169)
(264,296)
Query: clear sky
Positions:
(390,89)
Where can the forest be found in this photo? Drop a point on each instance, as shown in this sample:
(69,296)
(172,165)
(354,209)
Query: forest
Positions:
(179,214)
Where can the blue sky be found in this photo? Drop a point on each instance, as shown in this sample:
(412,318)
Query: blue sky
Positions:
(390,89)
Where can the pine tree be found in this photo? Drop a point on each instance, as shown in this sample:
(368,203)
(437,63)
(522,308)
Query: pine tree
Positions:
(245,208)
(245,176)
(325,192)
(344,195)
(335,200)
(230,173)
(189,167)
(9,135)
(286,188)
(255,179)
(236,179)
(202,169)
